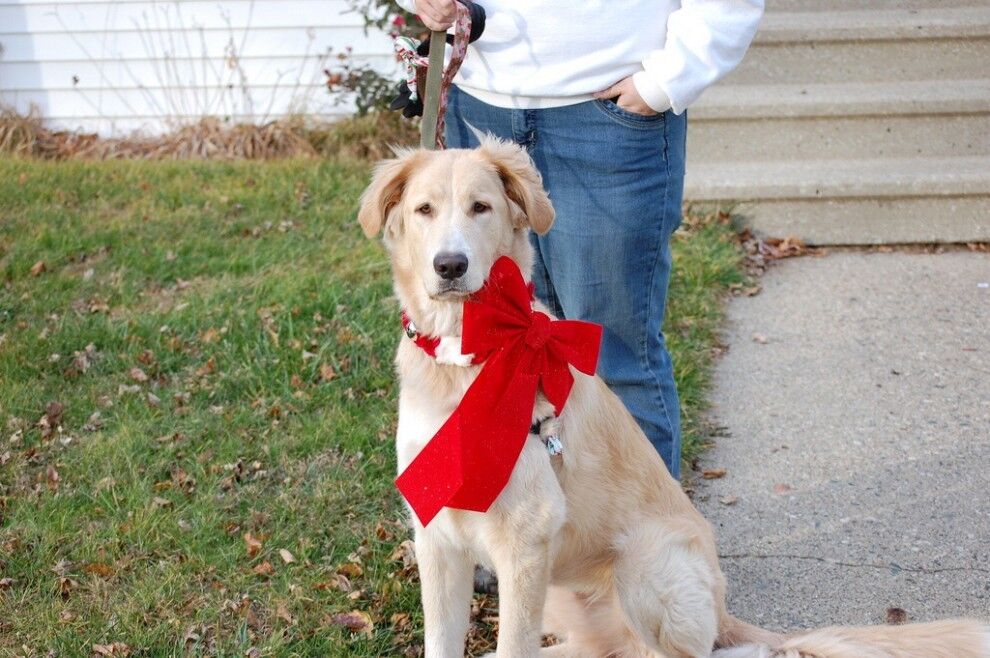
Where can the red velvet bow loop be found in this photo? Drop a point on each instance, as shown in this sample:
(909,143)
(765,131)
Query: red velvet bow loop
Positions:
(469,461)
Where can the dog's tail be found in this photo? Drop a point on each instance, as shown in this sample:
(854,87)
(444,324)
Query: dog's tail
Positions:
(958,638)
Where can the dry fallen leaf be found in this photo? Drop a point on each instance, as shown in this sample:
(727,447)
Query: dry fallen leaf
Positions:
(51,420)
(400,620)
(896,616)
(729,500)
(405,553)
(282,612)
(760,338)
(114,649)
(207,368)
(382,532)
(264,568)
(38,268)
(338,582)
(713,473)
(351,570)
(327,372)
(355,621)
(252,543)
(99,569)
(53,478)
(286,556)
(782,488)
(65,586)
(138,375)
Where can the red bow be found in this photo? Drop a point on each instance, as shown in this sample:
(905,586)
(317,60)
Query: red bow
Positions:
(468,462)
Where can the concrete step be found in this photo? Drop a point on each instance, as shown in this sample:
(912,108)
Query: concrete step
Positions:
(773,6)
(875,24)
(868,45)
(846,120)
(868,201)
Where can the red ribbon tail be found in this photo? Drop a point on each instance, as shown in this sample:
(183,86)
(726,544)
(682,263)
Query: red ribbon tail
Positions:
(493,440)
(469,461)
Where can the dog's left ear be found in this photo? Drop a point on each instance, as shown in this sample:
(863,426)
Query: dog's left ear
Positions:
(522,182)
(385,191)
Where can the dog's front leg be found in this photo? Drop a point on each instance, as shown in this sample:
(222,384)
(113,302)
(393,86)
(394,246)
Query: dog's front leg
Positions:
(523,530)
(523,569)
(447,575)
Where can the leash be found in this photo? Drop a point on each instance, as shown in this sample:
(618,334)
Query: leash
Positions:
(429,127)
(435,84)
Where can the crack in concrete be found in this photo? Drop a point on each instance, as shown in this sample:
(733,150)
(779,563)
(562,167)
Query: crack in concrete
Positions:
(893,566)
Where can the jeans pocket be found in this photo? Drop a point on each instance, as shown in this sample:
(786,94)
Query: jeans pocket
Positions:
(627,118)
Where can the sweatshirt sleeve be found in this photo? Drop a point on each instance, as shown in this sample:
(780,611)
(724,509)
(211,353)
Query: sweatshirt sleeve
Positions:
(705,40)
(408,5)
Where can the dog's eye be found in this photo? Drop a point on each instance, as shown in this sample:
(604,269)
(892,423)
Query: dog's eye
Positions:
(480,207)
(425,209)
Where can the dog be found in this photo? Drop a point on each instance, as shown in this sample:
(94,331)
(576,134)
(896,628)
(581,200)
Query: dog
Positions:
(600,547)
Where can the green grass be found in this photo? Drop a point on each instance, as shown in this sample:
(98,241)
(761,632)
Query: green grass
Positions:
(263,326)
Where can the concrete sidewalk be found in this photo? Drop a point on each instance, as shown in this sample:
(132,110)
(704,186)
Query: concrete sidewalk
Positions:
(855,397)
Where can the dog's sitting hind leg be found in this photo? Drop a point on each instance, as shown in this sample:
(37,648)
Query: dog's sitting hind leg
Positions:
(667,589)
(588,627)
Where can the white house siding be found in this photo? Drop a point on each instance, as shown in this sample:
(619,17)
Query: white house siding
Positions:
(125,65)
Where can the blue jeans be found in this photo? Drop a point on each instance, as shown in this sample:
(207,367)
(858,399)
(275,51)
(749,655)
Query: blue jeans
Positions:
(616,180)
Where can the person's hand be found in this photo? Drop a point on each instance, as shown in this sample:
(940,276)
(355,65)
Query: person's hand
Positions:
(437,15)
(625,95)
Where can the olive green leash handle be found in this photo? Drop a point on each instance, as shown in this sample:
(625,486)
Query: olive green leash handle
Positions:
(431,95)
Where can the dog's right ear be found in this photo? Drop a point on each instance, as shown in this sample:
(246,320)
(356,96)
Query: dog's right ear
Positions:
(383,195)
(522,181)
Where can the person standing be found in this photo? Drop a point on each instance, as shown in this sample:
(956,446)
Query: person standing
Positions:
(597,92)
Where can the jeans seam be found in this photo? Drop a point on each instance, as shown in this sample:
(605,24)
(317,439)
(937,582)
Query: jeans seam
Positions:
(648,357)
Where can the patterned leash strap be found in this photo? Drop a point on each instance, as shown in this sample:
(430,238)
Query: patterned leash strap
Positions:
(462,36)
(427,82)
(406,51)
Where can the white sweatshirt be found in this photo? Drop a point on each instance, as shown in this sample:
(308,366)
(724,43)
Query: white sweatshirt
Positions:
(547,53)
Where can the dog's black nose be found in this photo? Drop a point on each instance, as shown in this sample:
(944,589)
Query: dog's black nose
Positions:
(450,265)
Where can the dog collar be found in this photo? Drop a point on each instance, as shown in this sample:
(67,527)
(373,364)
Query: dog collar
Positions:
(546,428)
(445,350)
(430,344)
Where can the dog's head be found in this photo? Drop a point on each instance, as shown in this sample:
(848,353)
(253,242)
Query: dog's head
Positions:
(447,216)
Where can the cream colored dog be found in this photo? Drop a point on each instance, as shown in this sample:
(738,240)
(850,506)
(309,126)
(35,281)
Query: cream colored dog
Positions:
(603,549)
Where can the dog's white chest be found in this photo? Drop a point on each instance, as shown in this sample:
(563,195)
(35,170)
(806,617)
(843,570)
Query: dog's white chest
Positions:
(420,418)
